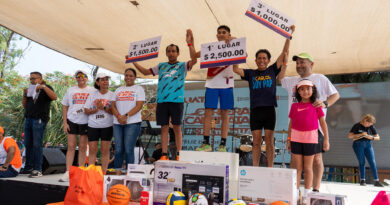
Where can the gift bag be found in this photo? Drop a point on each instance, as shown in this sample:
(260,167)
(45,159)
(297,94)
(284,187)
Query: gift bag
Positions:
(85,186)
(381,199)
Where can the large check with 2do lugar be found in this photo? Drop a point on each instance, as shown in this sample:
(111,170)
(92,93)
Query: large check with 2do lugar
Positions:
(143,50)
(222,53)
(270,17)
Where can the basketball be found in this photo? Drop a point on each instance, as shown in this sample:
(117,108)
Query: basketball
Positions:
(118,194)
(236,202)
(279,203)
(198,199)
(176,198)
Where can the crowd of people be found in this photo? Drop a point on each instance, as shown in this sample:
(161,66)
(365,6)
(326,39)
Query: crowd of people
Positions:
(97,113)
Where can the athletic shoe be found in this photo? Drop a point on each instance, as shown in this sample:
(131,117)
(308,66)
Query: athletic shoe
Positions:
(204,148)
(378,184)
(25,171)
(35,174)
(177,158)
(363,182)
(65,177)
(222,148)
(164,157)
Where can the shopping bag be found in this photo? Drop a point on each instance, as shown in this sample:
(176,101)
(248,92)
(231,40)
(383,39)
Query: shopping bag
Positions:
(381,199)
(85,186)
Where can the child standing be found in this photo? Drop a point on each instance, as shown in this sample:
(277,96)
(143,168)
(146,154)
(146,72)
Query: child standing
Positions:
(303,131)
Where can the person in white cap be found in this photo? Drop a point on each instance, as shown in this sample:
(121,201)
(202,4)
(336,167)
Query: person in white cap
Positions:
(100,120)
(75,121)
(327,96)
(302,137)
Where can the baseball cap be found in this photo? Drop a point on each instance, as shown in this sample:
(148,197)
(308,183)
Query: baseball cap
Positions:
(80,71)
(102,75)
(1,130)
(305,82)
(303,56)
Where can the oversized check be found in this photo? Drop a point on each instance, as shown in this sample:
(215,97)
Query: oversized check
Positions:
(145,49)
(270,17)
(220,53)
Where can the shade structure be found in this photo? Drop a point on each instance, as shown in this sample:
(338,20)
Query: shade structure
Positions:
(343,36)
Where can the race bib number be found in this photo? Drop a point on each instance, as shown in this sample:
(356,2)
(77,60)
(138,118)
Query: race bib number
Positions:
(221,54)
(100,117)
(143,50)
(270,17)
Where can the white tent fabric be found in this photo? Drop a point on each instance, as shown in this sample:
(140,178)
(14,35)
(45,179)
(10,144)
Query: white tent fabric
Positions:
(343,36)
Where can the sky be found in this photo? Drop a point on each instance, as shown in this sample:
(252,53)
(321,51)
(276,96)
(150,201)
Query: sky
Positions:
(42,59)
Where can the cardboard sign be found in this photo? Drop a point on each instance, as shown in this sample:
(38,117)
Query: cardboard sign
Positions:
(222,53)
(143,50)
(270,17)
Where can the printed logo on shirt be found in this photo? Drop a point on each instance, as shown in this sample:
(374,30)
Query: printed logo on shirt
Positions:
(105,102)
(302,109)
(79,98)
(125,96)
(259,82)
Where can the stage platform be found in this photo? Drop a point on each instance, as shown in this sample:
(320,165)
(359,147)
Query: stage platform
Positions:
(47,189)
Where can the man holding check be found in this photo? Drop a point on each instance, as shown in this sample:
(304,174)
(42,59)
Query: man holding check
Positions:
(170,92)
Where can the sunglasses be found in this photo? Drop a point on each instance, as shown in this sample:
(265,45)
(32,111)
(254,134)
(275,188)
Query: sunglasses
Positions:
(81,76)
(33,78)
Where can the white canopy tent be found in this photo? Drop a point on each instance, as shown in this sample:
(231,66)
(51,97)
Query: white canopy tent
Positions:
(343,36)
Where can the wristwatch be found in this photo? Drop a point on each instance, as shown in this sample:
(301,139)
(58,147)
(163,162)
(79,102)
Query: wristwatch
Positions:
(325,103)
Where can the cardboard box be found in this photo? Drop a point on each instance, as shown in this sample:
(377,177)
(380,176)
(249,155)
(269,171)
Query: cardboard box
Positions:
(231,159)
(212,180)
(265,185)
(138,182)
(314,198)
(147,169)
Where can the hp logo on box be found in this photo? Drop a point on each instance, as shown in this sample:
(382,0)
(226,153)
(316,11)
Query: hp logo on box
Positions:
(243,172)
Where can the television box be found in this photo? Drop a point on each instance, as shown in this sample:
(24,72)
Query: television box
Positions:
(147,169)
(265,185)
(231,159)
(315,198)
(212,180)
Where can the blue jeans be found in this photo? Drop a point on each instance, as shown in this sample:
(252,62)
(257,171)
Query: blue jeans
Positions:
(125,137)
(33,135)
(363,149)
(9,173)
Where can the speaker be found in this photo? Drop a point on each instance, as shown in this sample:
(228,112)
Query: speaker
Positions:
(54,161)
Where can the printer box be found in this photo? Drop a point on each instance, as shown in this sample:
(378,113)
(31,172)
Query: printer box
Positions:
(265,185)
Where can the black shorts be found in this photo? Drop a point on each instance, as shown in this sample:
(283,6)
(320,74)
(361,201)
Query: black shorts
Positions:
(320,144)
(263,117)
(77,129)
(94,134)
(305,149)
(169,111)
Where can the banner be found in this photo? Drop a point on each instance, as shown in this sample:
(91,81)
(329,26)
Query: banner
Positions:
(270,17)
(143,50)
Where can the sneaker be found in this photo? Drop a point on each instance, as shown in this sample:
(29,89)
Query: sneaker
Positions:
(25,171)
(164,157)
(204,148)
(222,148)
(363,182)
(378,184)
(35,174)
(177,158)
(65,177)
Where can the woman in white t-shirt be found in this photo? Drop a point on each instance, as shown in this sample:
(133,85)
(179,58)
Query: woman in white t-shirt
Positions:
(75,121)
(126,108)
(100,120)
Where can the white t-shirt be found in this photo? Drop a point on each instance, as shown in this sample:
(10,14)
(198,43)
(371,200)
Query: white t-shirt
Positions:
(75,99)
(224,79)
(324,87)
(125,100)
(100,119)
